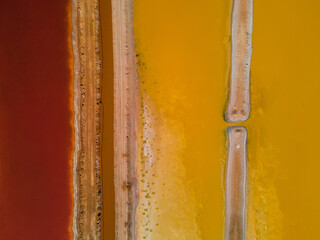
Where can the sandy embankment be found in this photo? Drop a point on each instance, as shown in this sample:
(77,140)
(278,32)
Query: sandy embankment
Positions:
(87,122)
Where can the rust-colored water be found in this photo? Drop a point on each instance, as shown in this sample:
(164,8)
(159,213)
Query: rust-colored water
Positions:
(36,133)
(107,143)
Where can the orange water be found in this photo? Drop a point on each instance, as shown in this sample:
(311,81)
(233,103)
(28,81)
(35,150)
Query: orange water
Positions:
(283,132)
(183,52)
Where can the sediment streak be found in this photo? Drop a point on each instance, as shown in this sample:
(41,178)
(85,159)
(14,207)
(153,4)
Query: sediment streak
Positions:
(236,184)
(238,109)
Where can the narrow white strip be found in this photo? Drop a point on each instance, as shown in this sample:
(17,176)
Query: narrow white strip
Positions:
(238,109)
(236,184)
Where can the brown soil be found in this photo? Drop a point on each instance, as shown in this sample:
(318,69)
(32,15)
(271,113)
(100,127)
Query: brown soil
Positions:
(87,121)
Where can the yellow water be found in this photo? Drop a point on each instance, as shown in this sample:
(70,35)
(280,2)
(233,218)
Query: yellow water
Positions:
(183,50)
(283,130)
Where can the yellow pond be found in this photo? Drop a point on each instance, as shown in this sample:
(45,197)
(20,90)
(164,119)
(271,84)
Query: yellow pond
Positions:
(183,55)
